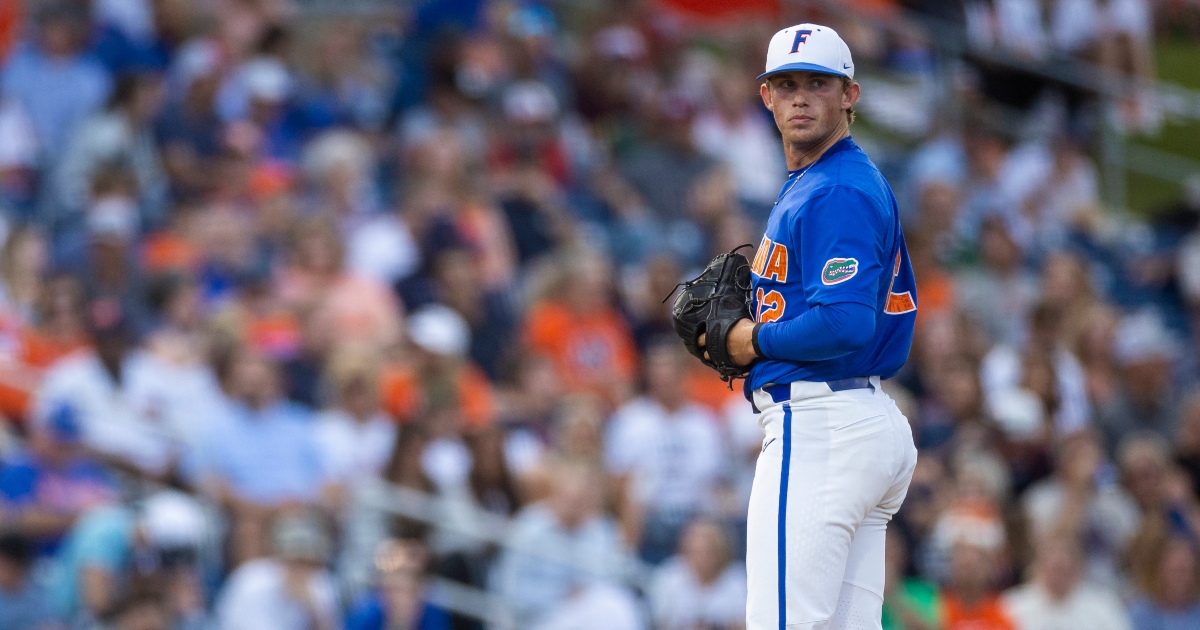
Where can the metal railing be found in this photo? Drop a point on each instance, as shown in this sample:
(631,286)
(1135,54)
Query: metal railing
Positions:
(487,527)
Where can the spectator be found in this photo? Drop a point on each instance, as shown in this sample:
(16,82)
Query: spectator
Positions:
(290,590)
(22,602)
(1168,578)
(399,599)
(670,448)
(189,129)
(665,164)
(46,488)
(586,606)
(57,84)
(353,435)
(1056,597)
(24,262)
(259,454)
(1147,398)
(1082,500)
(358,309)
(1001,293)
(130,410)
(734,131)
(97,562)
(18,159)
(486,310)
(970,599)
(121,134)
(577,329)
(367,527)
(1064,393)
(699,586)
(440,382)
(558,546)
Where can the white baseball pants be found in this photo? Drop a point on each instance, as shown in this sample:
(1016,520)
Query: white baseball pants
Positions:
(834,468)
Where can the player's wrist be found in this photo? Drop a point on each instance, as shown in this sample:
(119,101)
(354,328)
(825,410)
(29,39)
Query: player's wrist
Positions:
(758,353)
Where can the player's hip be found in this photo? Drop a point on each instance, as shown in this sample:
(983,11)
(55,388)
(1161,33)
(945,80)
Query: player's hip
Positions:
(818,409)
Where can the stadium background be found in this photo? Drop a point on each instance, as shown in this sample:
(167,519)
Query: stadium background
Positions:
(325,314)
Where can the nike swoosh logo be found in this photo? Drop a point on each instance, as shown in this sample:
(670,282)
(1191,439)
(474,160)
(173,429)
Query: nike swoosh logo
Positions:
(764,448)
(845,67)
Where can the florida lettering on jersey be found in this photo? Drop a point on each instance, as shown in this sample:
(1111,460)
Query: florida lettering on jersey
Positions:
(834,236)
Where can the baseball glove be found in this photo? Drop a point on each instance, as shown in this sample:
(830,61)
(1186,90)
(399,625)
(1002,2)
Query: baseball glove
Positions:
(711,304)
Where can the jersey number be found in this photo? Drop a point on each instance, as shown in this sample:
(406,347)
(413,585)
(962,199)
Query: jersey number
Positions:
(770,305)
(898,303)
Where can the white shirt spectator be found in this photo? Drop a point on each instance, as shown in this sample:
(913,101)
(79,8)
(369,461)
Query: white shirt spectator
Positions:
(1128,17)
(545,562)
(1074,24)
(154,415)
(750,146)
(1085,607)
(351,449)
(254,599)
(1000,372)
(382,248)
(1020,27)
(1112,520)
(678,601)
(597,607)
(673,457)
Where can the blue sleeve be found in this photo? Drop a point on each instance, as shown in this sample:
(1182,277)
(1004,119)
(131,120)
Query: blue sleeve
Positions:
(842,234)
(823,332)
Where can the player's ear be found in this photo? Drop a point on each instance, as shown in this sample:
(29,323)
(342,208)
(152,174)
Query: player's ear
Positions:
(850,95)
(764,90)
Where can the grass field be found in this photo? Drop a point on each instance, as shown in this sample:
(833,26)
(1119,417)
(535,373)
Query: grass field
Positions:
(1178,62)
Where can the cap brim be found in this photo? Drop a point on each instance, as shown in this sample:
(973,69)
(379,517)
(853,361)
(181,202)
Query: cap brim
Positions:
(803,67)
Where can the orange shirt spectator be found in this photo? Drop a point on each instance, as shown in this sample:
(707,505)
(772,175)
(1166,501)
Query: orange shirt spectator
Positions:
(987,614)
(593,350)
(441,377)
(405,398)
(706,387)
(21,375)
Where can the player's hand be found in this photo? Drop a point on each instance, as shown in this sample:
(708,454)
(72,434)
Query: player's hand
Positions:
(740,341)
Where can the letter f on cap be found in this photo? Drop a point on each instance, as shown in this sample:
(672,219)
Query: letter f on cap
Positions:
(801,36)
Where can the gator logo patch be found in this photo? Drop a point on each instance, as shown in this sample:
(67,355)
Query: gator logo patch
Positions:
(839,270)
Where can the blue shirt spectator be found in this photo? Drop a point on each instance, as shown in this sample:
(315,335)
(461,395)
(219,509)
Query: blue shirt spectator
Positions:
(266,455)
(100,543)
(55,81)
(372,614)
(53,481)
(22,602)
(1149,615)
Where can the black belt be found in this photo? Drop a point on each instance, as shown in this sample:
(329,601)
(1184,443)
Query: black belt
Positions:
(783,391)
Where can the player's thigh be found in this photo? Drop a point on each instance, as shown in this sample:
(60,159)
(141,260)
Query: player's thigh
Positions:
(807,501)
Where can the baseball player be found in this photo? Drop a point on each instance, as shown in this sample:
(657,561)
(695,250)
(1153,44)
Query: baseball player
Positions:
(833,303)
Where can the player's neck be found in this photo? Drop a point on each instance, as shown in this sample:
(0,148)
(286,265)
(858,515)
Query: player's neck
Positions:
(801,155)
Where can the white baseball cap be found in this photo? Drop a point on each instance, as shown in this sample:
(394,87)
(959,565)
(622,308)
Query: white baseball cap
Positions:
(810,48)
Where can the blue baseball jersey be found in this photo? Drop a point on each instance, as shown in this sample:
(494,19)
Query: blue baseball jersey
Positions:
(834,237)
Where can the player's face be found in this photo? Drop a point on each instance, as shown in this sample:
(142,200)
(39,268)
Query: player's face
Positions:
(808,106)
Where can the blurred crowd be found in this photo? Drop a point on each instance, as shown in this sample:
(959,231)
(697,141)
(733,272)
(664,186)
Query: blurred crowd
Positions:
(306,318)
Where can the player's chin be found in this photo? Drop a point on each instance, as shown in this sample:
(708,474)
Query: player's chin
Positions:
(802,134)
